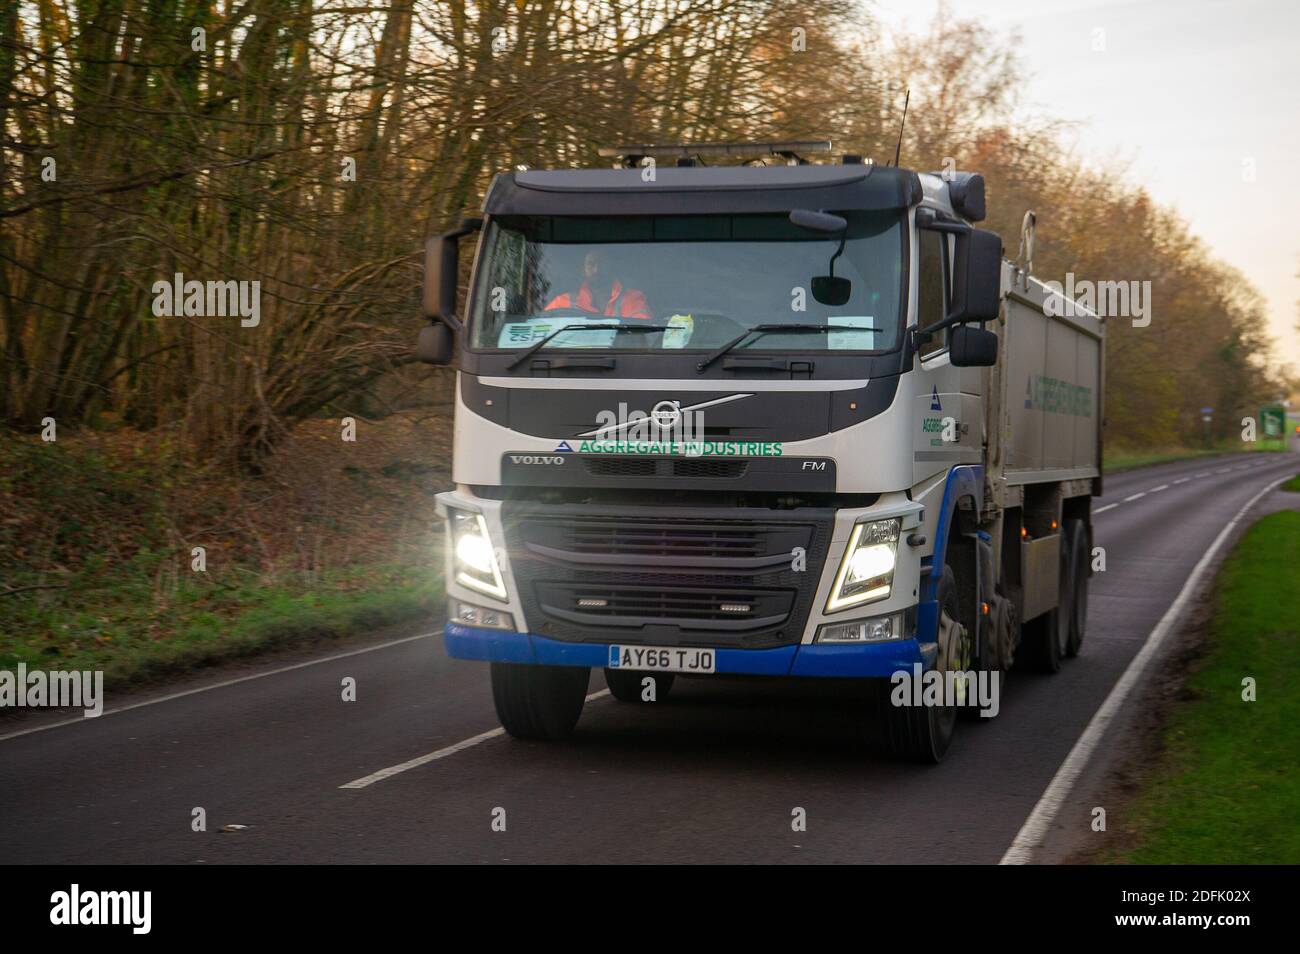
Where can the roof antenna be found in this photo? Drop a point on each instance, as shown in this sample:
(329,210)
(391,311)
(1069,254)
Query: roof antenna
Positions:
(899,148)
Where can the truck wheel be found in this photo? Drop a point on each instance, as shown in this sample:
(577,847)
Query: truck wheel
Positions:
(1078,532)
(539,702)
(1046,638)
(625,684)
(924,733)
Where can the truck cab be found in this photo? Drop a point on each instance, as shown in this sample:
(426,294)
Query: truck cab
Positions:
(746,420)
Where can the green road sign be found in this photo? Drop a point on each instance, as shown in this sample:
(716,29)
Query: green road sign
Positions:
(1272,422)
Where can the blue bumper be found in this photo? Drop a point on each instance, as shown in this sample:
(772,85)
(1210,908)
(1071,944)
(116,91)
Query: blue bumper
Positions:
(870,659)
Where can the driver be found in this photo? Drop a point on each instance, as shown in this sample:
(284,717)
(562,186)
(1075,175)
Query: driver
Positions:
(599,285)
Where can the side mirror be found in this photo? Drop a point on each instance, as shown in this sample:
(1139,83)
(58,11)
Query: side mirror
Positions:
(442,271)
(831,290)
(434,346)
(977,274)
(970,347)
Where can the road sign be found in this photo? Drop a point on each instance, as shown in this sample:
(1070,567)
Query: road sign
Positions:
(1272,421)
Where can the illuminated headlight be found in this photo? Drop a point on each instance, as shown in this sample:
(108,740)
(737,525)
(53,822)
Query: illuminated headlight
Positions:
(866,572)
(862,630)
(472,555)
(467,614)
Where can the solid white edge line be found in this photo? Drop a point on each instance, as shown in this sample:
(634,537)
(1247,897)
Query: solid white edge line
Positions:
(440,753)
(1035,828)
(218,685)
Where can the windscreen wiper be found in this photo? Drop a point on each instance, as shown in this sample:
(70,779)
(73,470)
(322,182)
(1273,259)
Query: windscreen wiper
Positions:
(793,328)
(533,349)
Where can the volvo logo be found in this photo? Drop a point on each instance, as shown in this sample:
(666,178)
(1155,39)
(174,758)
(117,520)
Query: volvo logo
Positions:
(546,459)
(666,414)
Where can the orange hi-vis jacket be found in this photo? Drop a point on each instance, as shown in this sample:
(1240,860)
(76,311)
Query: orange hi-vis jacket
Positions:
(629,304)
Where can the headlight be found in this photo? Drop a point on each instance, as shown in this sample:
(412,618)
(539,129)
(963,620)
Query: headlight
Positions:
(866,572)
(472,556)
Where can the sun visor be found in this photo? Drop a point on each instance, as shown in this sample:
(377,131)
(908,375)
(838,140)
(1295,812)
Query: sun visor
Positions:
(687,191)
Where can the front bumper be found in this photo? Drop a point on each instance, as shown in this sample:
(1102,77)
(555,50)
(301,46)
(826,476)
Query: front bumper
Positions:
(880,659)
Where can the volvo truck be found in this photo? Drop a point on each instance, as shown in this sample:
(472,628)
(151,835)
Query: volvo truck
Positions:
(733,410)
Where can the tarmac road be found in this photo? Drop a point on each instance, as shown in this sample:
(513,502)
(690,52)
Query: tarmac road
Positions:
(710,775)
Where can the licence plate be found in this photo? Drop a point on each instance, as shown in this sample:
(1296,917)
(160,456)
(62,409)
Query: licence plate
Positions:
(662,658)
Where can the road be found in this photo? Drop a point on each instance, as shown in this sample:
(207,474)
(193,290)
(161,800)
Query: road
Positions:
(712,775)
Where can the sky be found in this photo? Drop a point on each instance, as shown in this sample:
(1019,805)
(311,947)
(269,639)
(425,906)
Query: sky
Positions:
(1200,100)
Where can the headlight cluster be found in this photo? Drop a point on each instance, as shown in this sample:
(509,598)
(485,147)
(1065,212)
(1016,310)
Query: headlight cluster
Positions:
(866,572)
(472,554)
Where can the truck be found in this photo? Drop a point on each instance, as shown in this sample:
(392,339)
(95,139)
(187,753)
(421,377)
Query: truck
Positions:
(725,410)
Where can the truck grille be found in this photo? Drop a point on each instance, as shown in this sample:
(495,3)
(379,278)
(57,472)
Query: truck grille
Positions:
(690,576)
(666,467)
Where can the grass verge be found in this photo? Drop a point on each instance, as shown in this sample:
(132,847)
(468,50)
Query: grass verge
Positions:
(134,639)
(120,554)
(1227,788)
(1293,485)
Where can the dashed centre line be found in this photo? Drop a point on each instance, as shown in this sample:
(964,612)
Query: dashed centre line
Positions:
(439,754)
(1180,480)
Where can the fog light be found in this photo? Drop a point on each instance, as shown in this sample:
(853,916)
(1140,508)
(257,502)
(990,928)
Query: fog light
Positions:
(467,614)
(873,630)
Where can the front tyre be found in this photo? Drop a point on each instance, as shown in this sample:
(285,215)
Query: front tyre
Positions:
(539,702)
(924,733)
(627,685)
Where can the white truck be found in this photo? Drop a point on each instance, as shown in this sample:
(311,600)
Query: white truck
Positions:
(775,417)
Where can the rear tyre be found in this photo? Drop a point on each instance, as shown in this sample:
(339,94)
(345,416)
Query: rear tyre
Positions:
(539,702)
(625,685)
(1078,535)
(1046,638)
(924,733)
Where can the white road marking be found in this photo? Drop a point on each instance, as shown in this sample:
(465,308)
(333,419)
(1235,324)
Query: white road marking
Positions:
(440,754)
(1104,509)
(217,685)
(1204,473)
(1135,497)
(1183,480)
(1044,813)
(1156,490)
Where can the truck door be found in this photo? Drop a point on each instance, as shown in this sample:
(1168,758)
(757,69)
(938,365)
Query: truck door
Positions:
(948,422)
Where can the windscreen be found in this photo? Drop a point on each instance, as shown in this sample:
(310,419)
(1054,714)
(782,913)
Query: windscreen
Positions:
(703,279)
